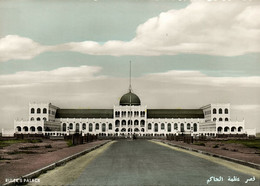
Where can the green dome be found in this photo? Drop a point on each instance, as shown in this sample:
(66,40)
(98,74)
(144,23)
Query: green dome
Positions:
(130,98)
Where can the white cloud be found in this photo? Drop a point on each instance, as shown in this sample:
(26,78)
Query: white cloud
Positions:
(16,47)
(212,28)
(218,28)
(64,74)
(198,78)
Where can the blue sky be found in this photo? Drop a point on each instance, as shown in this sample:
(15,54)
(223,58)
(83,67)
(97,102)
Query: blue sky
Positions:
(213,46)
(53,22)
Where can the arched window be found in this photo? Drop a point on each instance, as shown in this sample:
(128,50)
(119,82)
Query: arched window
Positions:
(117,113)
(77,127)
(226,111)
(220,111)
(195,127)
(149,126)
(117,123)
(188,126)
(38,119)
(44,119)
(226,119)
(123,130)
(64,127)
(142,130)
(214,111)
(71,126)
(44,111)
(220,129)
(32,118)
(233,129)
(123,113)
(25,129)
(182,127)
(214,119)
(175,126)
(90,127)
(220,119)
(32,129)
(240,129)
(123,122)
(97,126)
(142,123)
(39,129)
(103,127)
(226,129)
(136,130)
(136,122)
(110,126)
(155,127)
(18,129)
(32,110)
(169,128)
(38,110)
(162,126)
(117,130)
(129,130)
(84,126)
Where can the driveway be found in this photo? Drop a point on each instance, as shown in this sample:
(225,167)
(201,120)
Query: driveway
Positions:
(142,162)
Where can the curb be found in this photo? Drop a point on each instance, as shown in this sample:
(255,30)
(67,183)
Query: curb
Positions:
(38,172)
(249,164)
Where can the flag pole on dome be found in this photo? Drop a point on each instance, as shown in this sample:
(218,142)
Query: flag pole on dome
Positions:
(130,78)
(130,90)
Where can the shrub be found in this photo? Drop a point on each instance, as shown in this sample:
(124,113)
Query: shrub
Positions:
(21,152)
(35,140)
(48,146)
(200,144)
(69,143)
(29,147)
(216,146)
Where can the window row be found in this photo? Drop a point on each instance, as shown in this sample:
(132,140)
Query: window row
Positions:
(220,119)
(227,129)
(129,122)
(129,130)
(38,119)
(26,129)
(91,126)
(130,113)
(220,111)
(38,111)
(176,127)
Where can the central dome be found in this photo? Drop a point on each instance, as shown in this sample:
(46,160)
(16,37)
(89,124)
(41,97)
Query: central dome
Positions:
(130,99)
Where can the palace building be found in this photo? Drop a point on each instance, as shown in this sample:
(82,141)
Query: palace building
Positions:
(130,117)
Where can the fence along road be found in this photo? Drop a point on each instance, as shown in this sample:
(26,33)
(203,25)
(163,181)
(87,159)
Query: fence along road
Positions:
(141,162)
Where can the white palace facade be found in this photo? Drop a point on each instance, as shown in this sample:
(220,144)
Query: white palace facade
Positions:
(128,118)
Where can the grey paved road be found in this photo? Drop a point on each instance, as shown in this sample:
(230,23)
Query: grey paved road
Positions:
(141,162)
